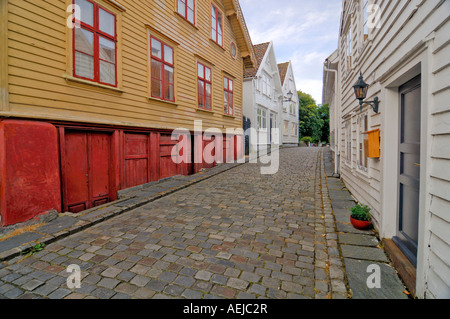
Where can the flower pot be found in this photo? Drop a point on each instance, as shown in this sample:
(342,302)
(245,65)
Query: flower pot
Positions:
(360,224)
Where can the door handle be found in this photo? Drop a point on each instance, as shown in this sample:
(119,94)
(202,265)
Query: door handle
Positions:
(417,164)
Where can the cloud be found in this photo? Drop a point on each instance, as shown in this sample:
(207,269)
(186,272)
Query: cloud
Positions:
(303,31)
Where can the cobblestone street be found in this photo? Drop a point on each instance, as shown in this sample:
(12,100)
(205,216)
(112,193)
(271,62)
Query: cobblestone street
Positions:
(239,234)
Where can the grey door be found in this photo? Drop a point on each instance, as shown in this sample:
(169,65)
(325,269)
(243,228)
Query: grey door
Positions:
(409,169)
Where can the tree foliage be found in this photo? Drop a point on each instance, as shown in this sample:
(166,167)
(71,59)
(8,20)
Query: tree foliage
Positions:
(314,119)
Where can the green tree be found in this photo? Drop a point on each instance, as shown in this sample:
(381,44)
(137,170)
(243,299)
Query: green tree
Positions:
(324,114)
(310,120)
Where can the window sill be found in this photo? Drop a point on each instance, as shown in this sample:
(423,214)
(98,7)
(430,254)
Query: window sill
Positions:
(230,116)
(186,20)
(204,110)
(150,98)
(70,78)
(218,45)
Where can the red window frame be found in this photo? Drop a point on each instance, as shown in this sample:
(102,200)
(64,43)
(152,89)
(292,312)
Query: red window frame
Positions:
(229,94)
(186,8)
(202,95)
(95,29)
(164,82)
(215,28)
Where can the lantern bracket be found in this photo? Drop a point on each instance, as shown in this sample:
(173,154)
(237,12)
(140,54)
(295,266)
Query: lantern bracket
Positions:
(374,104)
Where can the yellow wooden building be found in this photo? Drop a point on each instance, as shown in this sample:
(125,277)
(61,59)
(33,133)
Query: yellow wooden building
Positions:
(91,90)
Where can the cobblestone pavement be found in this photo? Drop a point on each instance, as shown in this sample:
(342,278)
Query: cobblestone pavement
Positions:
(239,234)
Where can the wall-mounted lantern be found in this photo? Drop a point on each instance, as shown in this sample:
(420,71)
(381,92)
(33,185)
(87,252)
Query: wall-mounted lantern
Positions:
(361,89)
(289,97)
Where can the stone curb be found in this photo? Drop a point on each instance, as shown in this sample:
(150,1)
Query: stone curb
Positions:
(360,249)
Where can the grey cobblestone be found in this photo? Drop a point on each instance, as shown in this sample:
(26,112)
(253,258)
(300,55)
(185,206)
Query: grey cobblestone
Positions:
(239,234)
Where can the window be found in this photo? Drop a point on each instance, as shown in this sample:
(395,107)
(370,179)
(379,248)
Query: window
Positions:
(186,8)
(216,25)
(204,86)
(349,48)
(363,142)
(228,96)
(95,44)
(262,119)
(366,19)
(266,85)
(286,128)
(294,130)
(348,138)
(233,50)
(162,70)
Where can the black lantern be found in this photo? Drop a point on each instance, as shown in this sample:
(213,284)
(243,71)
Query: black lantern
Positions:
(361,89)
(289,97)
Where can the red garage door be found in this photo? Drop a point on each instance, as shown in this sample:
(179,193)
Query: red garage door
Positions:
(136,159)
(86,169)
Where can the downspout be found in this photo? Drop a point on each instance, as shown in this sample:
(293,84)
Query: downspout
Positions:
(336,118)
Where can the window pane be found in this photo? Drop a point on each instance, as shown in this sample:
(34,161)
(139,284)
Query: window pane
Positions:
(156,49)
(208,89)
(225,102)
(225,83)
(168,92)
(208,103)
(201,88)
(213,12)
(168,54)
(201,71)
(107,22)
(156,88)
(87,11)
(230,86)
(168,74)
(208,74)
(230,99)
(84,41)
(213,35)
(181,8)
(107,73)
(84,65)
(190,15)
(190,4)
(107,50)
(156,69)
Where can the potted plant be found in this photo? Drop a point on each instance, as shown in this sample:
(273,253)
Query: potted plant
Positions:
(360,217)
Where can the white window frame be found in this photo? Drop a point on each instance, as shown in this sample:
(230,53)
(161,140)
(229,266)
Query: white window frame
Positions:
(363,126)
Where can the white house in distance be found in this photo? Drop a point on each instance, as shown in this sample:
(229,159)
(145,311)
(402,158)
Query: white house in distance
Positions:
(262,98)
(397,159)
(290,112)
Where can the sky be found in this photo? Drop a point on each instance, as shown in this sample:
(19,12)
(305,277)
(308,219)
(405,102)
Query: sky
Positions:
(303,31)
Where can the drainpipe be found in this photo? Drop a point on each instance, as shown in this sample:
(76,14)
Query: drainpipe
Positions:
(337,115)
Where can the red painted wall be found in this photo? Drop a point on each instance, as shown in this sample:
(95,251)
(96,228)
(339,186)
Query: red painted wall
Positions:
(29,170)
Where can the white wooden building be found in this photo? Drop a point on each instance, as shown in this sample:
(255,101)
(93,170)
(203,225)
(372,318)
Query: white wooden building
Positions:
(402,49)
(290,110)
(263,97)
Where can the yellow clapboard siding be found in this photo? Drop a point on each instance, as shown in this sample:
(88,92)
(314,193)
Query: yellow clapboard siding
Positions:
(40,54)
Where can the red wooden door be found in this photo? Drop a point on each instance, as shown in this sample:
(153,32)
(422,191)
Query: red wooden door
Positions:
(167,166)
(87,157)
(136,159)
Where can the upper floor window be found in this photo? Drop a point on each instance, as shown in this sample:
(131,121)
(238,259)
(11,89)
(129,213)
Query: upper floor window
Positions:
(349,48)
(216,25)
(95,44)
(186,8)
(366,19)
(266,85)
(228,96)
(204,86)
(162,71)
